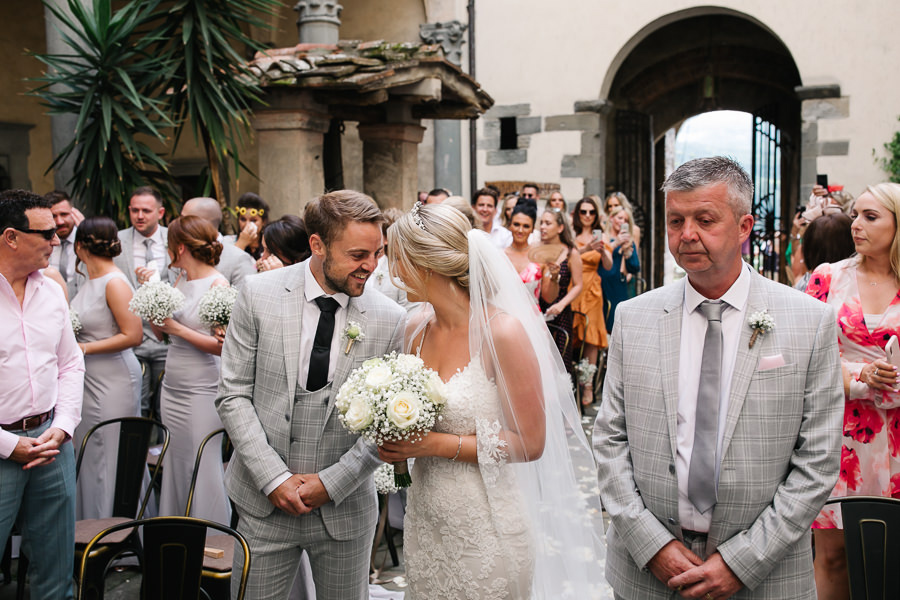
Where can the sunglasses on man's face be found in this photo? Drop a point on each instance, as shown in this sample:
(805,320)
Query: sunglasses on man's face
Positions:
(46,233)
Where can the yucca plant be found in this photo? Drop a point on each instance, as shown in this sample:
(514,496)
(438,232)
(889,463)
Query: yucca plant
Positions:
(109,79)
(208,84)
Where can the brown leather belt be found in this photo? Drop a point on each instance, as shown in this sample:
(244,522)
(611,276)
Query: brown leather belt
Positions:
(28,423)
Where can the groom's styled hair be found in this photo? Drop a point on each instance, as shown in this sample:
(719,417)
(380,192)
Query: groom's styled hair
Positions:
(328,214)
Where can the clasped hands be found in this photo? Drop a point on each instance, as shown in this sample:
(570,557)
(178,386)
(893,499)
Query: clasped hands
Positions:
(880,375)
(299,494)
(692,577)
(42,450)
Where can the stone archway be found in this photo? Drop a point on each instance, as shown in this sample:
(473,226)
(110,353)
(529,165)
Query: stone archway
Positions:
(683,64)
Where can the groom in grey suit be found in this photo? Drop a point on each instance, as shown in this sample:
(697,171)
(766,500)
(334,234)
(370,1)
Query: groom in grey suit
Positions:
(299,479)
(717,448)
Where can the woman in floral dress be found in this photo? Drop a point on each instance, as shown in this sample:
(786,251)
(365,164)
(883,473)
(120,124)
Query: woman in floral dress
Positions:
(864,291)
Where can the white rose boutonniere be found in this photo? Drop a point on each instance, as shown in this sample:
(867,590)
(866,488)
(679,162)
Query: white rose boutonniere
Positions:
(760,322)
(353,333)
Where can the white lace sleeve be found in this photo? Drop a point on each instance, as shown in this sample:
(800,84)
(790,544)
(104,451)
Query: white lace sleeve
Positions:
(492,452)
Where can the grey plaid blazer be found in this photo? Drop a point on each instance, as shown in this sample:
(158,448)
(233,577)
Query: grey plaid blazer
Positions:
(781,450)
(260,365)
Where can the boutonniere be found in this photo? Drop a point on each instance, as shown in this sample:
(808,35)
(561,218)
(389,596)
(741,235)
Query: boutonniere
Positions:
(760,322)
(353,333)
(379,276)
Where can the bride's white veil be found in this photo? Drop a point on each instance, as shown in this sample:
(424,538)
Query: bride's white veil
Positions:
(559,488)
(558,491)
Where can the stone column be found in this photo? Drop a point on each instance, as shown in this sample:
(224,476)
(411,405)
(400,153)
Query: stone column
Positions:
(289,137)
(390,156)
(319,21)
(62,127)
(447,146)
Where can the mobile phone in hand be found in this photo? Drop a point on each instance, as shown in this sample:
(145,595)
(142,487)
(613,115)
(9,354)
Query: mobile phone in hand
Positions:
(892,350)
(624,228)
(598,234)
(822,180)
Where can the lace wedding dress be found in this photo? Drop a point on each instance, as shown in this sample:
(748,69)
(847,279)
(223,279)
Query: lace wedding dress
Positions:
(459,542)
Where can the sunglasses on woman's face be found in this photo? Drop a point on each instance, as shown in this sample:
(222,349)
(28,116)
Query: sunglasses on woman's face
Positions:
(587,211)
(46,233)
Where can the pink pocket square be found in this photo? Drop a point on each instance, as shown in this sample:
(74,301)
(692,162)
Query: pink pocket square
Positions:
(767,363)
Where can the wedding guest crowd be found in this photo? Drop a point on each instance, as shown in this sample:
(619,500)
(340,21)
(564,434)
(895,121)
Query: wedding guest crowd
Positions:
(577,259)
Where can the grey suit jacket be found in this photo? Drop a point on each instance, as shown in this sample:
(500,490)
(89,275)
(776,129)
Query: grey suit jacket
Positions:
(781,451)
(260,366)
(235,264)
(150,347)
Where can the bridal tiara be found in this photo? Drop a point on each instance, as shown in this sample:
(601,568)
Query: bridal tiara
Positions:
(417,218)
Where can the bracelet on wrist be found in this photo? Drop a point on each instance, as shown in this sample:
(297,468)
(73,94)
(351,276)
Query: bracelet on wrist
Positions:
(458,447)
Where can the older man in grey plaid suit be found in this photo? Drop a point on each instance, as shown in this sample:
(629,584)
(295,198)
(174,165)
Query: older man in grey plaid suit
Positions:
(716,445)
(299,480)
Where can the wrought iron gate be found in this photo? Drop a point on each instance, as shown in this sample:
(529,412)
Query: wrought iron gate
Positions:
(765,252)
(634,178)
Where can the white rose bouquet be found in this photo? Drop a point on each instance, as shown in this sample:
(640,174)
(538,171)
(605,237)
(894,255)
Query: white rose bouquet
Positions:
(216,304)
(156,301)
(76,321)
(390,399)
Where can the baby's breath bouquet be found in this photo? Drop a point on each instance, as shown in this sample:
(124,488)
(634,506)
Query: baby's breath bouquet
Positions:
(389,399)
(216,304)
(156,301)
(384,479)
(76,321)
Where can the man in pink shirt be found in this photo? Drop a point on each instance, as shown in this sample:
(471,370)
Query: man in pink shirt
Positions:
(42,375)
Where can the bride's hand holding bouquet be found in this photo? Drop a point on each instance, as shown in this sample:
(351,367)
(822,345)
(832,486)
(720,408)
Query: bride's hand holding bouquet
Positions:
(393,399)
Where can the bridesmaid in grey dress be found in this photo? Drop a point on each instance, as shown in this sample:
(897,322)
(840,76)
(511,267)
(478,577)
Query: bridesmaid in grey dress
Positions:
(192,377)
(112,378)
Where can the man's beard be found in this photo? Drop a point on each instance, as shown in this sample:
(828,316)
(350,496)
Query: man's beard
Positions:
(338,285)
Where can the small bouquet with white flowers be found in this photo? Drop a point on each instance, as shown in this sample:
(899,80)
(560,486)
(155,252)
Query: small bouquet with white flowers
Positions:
(216,304)
(585,370)
(156,301)
(384,479)
(76,321)
(389,399)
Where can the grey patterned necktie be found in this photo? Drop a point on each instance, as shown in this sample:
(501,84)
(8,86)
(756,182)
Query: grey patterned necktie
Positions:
(702,473)
(148,253)
(64,258)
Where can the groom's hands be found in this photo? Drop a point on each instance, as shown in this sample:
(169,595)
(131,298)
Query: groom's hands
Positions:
(312,491)
(287,497)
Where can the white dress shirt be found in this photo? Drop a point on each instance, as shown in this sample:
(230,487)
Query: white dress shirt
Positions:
(140,250)
(693,333)
(501,237)
(70,250)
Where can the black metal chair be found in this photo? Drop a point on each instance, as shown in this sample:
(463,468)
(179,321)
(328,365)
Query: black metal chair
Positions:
(136,434)
(871,531)
(174,549)
(216,572)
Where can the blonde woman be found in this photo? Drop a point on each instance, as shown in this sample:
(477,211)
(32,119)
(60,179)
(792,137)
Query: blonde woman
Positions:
(509,443)
(624,261)
(864,292)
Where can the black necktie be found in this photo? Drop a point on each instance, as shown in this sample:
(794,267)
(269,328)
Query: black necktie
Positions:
(321,350)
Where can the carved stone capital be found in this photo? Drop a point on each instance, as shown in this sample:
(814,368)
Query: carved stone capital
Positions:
(318,20)
(448,34)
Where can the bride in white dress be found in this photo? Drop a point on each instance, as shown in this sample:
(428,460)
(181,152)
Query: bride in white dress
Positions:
(495,510)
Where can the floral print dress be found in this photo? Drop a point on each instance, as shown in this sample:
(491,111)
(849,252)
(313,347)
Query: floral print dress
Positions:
(870,455)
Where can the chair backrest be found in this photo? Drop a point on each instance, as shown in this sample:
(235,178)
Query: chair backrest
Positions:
(136,434)
(871,531)
(225,448)
(557,330)
(173,556)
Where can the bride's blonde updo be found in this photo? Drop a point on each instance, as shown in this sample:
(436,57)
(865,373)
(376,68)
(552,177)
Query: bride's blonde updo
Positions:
(431,237)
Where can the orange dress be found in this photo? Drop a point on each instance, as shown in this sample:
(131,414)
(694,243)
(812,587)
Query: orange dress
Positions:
(590,302)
